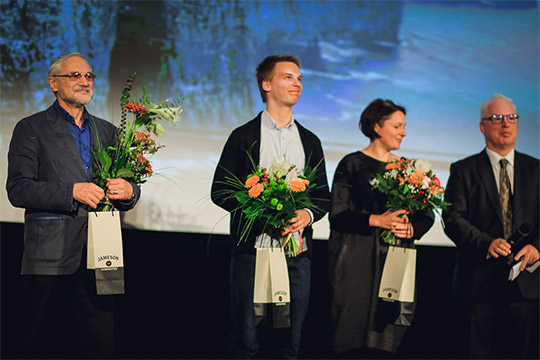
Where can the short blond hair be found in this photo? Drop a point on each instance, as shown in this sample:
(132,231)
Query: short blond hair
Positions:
(495,97)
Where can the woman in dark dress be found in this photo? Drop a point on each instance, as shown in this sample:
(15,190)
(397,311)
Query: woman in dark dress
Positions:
(362,325)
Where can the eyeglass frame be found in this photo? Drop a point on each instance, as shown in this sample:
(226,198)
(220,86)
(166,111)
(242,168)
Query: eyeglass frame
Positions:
(498,119)
(76,76)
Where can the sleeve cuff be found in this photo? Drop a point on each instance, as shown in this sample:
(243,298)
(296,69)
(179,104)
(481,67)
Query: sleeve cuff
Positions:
(311,216)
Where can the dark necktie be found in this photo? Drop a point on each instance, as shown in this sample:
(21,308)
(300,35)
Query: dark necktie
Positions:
(504,197)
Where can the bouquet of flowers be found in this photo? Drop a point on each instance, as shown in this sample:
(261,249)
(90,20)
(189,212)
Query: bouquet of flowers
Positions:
(409,184)
(274,195)
(127,157)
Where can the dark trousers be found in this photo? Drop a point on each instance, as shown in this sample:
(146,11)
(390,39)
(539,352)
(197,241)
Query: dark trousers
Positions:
(63,317)
(244,336)
(504,330)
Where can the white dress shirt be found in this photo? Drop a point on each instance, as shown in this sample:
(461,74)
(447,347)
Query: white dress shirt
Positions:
(494,159)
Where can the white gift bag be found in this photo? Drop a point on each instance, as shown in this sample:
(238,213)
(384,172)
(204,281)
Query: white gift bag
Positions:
(271,296)
(105,251)
(398,276)
(271,277)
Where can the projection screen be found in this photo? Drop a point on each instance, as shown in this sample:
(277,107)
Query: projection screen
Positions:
(439,59)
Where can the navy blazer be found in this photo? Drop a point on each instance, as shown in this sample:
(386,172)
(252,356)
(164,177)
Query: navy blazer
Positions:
(234,159)
(43,164)
(474,220)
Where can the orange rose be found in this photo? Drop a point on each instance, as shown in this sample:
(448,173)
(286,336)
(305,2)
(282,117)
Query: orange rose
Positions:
(393,165)
(417,178)
(298,185)
(306,182)
(252,180)
(435,181)
(256,190)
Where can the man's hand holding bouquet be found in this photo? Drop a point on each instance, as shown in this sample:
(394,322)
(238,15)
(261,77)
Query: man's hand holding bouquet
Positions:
(275,195)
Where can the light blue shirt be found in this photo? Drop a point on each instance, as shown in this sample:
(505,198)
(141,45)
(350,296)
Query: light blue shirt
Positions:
(284,144)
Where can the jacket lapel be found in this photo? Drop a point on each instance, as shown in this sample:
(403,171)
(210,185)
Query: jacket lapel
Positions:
(255,147)
(64,136)
(305,144)
(485,174)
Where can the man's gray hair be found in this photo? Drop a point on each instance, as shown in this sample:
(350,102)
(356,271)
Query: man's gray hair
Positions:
(54,68)
(495,97)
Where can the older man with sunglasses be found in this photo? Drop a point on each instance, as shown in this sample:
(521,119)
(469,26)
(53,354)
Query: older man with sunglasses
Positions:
(493,219)
(49,175)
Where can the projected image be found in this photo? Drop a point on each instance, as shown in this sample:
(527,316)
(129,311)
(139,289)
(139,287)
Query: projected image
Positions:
(439,59)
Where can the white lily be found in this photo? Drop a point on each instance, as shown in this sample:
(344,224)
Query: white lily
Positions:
(425,183)
(293,174)
(278,168)
(422,165)
(171,114)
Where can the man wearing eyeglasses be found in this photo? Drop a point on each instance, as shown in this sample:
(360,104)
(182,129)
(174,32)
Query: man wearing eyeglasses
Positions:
(493,220)
(49,175)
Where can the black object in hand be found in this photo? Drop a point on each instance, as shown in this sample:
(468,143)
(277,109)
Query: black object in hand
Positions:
(515,241)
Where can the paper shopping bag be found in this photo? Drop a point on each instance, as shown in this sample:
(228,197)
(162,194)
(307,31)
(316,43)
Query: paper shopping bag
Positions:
(105,251)
(271,277)
(271,296)
(398,276)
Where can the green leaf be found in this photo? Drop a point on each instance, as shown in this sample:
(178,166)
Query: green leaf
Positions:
(125,173)
(103,159)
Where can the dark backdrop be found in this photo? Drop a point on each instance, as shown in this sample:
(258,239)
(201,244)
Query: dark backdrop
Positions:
(175,305)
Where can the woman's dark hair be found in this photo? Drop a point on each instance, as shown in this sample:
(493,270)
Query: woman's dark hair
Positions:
(377,112)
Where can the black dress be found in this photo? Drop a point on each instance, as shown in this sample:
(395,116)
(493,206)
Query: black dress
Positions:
(359,319)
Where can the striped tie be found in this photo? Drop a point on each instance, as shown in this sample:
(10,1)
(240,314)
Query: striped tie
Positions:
(504,197)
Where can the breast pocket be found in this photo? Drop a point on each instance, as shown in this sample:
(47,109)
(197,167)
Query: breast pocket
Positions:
(44,238)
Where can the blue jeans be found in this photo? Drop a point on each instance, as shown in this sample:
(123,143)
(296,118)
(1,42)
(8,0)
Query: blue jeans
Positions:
(243,334)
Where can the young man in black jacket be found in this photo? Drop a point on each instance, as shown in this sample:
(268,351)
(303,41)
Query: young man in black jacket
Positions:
(273,133)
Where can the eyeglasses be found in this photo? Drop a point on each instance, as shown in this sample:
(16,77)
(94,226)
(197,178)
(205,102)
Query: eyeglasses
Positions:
(497,119)
(76,76)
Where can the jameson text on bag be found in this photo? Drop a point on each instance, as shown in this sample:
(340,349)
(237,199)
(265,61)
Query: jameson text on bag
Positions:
(271,295)
(398,276)
(105,251)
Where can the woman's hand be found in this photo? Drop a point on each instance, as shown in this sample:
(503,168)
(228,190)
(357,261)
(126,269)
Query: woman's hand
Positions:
(389,220)
(393,221)
(404,231)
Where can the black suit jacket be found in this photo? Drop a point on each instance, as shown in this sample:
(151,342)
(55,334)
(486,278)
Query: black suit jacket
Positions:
(474,220)
(43,164)
(234,158)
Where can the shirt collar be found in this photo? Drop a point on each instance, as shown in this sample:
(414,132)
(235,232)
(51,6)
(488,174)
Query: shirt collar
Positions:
(271,123)
(494,158)
(67,116)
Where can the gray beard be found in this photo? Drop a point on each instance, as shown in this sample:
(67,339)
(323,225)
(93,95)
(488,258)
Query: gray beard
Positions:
(74,101)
